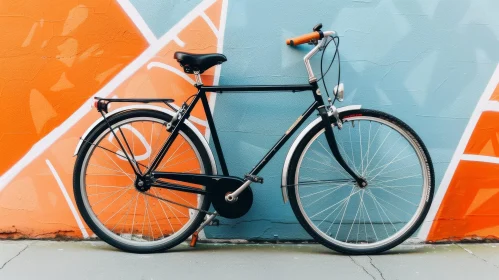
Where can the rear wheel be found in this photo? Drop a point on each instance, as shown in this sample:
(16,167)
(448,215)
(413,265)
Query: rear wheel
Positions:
(338,213)
(104,183)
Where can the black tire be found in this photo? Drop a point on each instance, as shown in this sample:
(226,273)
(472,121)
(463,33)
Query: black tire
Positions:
(83,153)
(294,195)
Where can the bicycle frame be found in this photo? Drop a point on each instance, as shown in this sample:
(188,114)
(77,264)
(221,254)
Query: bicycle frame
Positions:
(317,104)
(151,176)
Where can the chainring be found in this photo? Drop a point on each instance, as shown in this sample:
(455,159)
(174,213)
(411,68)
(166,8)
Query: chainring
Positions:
(235,209)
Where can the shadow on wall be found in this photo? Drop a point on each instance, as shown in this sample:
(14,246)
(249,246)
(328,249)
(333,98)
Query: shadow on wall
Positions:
(426,62)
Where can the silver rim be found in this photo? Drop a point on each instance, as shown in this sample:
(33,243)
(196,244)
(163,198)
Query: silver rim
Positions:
(155,211)
(371,217)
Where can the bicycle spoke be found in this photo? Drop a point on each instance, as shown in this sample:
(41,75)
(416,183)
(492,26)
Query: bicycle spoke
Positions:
(322,197)
(126,214)
(332,206)
(384,166)
(124,192)
(396,179)
(119,167)
(344,211)
(360,145)
(353,222)
(124,205)
(107,150)
(342,206)
(305,196)
(170,158)
(164,212)
(383,208)
(369,217)
(134,214)
(333,167)
(128,174)
(157,223)
(398,196)
(120,190)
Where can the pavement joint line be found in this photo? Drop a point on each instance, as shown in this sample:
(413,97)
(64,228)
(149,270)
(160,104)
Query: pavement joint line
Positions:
(363,268)
(17,255)
(379,271)
(473,254)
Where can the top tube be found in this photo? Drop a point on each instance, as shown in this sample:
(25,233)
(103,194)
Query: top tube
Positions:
(292,88)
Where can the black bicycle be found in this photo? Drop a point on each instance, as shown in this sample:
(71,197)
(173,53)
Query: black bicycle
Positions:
(359,181)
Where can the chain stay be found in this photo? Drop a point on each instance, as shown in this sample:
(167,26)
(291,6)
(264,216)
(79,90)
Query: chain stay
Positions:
(176,203)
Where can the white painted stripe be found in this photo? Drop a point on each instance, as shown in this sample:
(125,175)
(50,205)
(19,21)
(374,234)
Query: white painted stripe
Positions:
(37,149)
(137,19)
(171,69)
(218,68)
(210,23)
(179,42)
(451,169)
(480,158)
(68,200)
(491,106)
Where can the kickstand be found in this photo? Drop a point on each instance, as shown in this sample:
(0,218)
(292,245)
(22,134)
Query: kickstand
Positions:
(195,235)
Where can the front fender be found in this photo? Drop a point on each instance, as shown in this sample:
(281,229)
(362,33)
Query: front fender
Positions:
(298,139)
(157,108)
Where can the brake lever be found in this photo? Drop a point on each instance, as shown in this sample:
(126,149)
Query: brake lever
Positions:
(313,42)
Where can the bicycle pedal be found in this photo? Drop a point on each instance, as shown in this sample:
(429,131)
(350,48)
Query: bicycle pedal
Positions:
(253,178)
(194,239)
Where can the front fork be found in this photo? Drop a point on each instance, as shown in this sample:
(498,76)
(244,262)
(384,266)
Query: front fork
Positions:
(331,140)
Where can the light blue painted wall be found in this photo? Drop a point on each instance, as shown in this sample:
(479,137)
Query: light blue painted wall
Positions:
(425,61)
(161,15)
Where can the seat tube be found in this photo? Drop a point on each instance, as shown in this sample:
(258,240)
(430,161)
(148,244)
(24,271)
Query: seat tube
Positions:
(214,134)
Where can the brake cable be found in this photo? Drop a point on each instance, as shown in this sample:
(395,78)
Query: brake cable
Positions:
(323,74)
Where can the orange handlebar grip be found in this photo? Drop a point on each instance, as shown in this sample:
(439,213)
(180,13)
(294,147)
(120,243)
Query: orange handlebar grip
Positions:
(303,38)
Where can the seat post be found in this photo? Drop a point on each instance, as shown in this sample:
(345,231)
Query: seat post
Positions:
(199,82)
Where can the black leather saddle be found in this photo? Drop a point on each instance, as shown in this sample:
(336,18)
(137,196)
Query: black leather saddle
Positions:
(192,62)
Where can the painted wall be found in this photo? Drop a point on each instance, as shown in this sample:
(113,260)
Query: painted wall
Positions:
(431,63)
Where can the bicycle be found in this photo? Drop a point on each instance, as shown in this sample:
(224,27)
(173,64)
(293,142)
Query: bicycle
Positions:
(359,181)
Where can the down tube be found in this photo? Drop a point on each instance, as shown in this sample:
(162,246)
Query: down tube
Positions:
(283,139)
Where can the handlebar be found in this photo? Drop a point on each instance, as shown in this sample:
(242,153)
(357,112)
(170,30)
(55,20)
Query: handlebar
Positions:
(305,38)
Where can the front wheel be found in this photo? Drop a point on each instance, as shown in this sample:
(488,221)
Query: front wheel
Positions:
(350,219)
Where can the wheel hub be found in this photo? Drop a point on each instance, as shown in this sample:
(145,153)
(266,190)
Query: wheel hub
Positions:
(362,183)
(142,184)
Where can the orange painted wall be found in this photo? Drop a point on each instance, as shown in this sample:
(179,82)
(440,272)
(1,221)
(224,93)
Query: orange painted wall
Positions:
(470,209)
(53,58)
(59,57)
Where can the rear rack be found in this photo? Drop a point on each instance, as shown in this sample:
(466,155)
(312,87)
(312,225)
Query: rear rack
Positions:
(101,104)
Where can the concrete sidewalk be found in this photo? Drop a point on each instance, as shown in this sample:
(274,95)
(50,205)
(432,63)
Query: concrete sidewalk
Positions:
(96,260)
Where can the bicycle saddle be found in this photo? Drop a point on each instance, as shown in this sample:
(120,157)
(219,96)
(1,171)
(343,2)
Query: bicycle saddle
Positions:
(198,62)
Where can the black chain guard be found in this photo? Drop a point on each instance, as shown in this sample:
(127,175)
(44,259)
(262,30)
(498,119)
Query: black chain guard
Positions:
(231,210)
